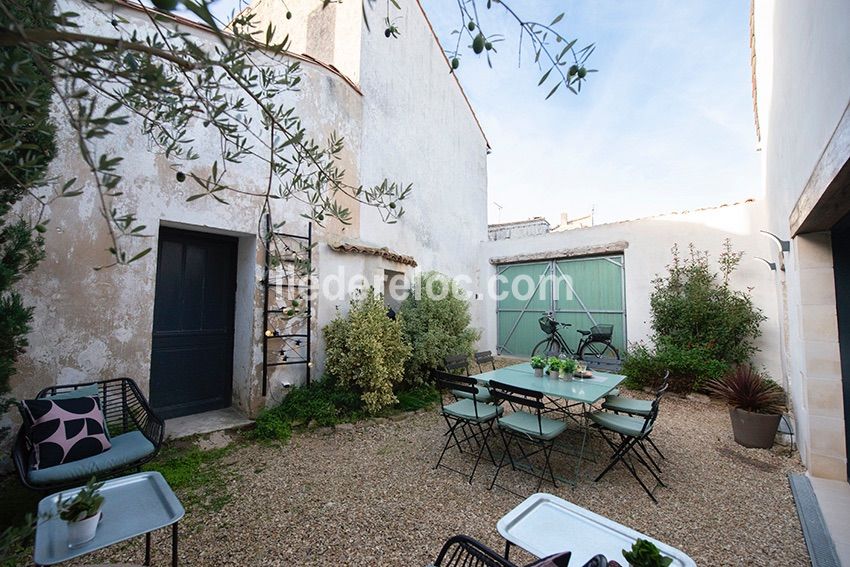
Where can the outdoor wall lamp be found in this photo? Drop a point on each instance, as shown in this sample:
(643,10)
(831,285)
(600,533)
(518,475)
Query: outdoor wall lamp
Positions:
(771,265)
(784,245)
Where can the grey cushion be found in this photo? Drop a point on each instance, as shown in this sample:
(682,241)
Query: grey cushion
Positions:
(628,405)
(524,422)
(625,424)
(126,448)
(483,395)
(465,409)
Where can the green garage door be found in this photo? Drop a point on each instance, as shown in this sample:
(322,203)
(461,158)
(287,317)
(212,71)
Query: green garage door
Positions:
(583,292)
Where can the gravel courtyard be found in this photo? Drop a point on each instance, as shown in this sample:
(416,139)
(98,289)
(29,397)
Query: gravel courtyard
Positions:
(367,495)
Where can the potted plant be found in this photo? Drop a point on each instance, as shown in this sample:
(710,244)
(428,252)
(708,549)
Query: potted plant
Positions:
(538,363)
(756,404)
(646,554)
(568,366)
(553,364)
(82,512)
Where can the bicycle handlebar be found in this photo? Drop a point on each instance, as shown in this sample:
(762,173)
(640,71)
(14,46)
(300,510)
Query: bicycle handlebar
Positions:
(549,315)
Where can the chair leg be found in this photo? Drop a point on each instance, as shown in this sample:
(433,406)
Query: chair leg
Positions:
(507,453)
(648,456)
(451,436)
(481,449)
(657,450)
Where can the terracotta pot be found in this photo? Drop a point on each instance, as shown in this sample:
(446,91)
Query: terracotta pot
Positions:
(755,430)
(82,531)
(538,372)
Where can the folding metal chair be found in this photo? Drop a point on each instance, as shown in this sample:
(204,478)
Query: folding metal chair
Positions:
(525,426)
(485,357)
(469,417)
(632,431)
(455,363)
(642,408)
(463,551)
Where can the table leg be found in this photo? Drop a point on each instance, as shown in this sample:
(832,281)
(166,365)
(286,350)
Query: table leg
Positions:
(507,549)
(174,540)
(148,548)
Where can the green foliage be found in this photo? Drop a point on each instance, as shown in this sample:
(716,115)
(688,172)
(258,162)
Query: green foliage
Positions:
(270,427)
(27,149)
(690,368)
(568,365)
(748,389)
(646,554)
(198,476)
(436,322)
(366,351)
(417,397)
(538,362)
(14,543)
(694,307)
(701,325)
(553,363)
(85,503)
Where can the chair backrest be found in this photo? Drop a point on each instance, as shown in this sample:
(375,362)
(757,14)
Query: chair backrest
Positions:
(454,383)
(123,404)
(457,362)
(665,382)
(650,418)
(484,357)
(522,397)
(463,551)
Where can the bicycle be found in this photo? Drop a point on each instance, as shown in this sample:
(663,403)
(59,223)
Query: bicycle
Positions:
(594,344)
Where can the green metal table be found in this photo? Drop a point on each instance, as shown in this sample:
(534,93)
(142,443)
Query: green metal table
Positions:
(581,391)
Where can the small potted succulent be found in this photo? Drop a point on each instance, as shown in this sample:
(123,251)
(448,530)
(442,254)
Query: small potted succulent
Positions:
(553,365)
(646,554)
(538,363)
(82,512)
(756,405)
(568,366)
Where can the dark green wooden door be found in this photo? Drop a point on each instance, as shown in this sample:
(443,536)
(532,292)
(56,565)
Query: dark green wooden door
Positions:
(582,291)
(192,354)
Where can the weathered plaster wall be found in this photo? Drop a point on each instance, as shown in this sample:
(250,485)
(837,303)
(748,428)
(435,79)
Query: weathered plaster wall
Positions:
(411,124)
(802,73)
(97,324)
(647,253)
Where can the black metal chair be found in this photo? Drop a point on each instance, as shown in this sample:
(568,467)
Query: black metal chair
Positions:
(631,431)
(526,426)
(463,551)
(125,411)
(455,363)
(632,406)
(484,357)
(469,417)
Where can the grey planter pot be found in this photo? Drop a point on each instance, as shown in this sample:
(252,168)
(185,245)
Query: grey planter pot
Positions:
(538,372)
(553,373)
(754,430)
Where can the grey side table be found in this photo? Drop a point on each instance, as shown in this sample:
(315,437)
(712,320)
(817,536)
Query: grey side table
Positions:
(133,505)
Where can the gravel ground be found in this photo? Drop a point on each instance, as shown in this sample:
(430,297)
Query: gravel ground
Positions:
(368,495)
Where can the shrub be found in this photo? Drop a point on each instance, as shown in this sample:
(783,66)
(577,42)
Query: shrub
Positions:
(701,326)
(366,351)
(695,308)
(417,397)
(690,368)
(748,389)
(435,319)
(270,426)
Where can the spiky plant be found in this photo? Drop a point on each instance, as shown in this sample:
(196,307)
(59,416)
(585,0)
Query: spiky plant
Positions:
(746,388)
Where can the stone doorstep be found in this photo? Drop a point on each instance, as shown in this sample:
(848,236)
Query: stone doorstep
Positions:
(206,422)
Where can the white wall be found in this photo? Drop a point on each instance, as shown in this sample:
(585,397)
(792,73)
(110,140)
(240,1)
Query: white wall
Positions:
(802,72)
(647,254)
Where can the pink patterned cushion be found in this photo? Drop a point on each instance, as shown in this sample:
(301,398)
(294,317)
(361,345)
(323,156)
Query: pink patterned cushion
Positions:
(63,431)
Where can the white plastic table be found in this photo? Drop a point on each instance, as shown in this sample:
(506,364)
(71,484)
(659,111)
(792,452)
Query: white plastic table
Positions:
(132,505)
(544,524)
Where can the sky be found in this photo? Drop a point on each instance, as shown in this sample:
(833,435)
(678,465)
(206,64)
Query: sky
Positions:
(666,124)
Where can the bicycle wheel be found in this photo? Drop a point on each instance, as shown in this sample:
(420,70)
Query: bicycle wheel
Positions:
(545,346)
(598,349)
